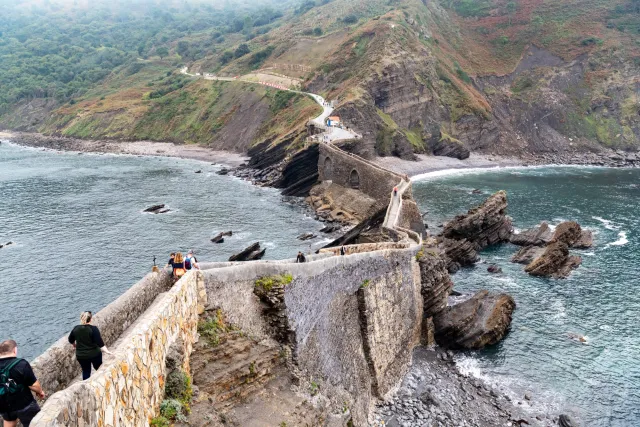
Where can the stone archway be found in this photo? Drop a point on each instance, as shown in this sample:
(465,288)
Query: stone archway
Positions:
(328,169)
(354,180)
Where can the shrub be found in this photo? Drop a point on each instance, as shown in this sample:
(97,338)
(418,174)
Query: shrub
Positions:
(242,50)
(350,19)
(178,387)
(269,282)
(591,41)
(317,31)
(160,422)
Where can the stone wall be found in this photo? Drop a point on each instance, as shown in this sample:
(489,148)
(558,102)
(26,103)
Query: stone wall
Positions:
(339,166)
(57,366)
(354,319)
(128,388)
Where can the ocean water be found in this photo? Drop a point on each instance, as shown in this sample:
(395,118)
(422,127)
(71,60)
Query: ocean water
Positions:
(81,238)
(597,382)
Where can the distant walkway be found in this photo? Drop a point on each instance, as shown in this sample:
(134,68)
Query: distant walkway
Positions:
(330,134)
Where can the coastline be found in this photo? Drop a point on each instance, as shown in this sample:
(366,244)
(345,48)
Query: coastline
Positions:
(134,148)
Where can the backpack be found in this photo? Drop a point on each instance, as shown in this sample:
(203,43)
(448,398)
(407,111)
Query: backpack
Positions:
(187,263)
(7,385)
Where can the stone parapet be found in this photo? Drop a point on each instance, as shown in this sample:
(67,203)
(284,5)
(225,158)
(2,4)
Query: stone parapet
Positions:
(57,367)
(128,389)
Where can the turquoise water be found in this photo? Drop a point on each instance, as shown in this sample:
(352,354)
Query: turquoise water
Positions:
(81,238)
(598,382)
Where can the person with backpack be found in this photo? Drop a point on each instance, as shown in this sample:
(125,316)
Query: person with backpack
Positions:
(178,266)
(88,342)
(17,381)
(190,262)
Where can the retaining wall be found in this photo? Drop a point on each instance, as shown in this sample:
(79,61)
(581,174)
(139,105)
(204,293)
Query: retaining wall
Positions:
(128,388)
(374,180)
(57,366)
(354,319)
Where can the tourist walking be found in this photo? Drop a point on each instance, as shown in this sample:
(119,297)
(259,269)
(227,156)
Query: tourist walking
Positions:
(17,381)
(178,266)
(172,257)
(301,258)
(342,251)
(88,343)
(190,262)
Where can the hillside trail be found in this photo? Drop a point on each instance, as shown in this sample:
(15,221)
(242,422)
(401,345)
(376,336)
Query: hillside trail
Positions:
(330,134)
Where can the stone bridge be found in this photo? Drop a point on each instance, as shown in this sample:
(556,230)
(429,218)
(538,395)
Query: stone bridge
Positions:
(352,320)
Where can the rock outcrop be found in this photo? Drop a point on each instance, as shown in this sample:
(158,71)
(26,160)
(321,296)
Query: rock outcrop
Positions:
(568,232)
(448,147)
(554,262)
(219,238)
(482,226)
(480,321)
(251,253)
(157,209)
(436,285)
(527,254)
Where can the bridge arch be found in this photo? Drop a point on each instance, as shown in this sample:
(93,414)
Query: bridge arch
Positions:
(328,169)
(354,180)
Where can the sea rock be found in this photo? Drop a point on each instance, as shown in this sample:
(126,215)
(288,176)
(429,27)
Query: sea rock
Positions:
(223,171)
(156,209)
(219,238)
(306,236)
(480,321)
(436,285)
(527,254)
(330,228)
(484,225)
(494,269)
(251,253)
(566,421)
(198,171)
(537,236)
(554,262)
(568,232)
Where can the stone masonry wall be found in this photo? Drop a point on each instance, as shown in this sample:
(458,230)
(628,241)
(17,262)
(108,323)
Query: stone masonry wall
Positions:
(373,180)
(355,352)
(57,366)
(128,389)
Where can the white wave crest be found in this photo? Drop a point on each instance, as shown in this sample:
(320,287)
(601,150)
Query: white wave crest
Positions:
(608,224)
(622,240)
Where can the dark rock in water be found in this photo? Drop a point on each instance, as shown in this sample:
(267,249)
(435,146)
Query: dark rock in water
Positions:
(482,226)
(198,171)
(330,228)
(223,171)
(527,254)
(494,269)
(537,236)
(161,211)
(252,252)
(554,262)
(476,191)
(306,236)
(154,209)
(568,232)
(436,285)
(475,323)
(566,421)
(219,238)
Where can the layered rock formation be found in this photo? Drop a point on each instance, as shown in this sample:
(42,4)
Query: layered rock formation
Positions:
(546,252)
(436,285)
(481,320)
(554,262)
(480,227)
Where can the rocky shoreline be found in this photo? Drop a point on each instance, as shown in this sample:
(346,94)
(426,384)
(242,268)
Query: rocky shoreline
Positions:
(435,393)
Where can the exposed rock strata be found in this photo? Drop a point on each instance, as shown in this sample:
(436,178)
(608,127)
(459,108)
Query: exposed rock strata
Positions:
(568,232)
(436,285)
(251,253)
(554,262)
(480,321)
(480,227)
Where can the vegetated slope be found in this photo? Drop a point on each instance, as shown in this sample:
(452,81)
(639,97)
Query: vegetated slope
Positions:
(443,76)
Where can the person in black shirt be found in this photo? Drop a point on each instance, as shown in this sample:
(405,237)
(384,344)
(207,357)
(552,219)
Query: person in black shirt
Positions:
(301,258)
(16,400)
(88,343)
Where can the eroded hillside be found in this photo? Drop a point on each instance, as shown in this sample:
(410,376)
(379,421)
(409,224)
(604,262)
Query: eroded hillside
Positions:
(439,76)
